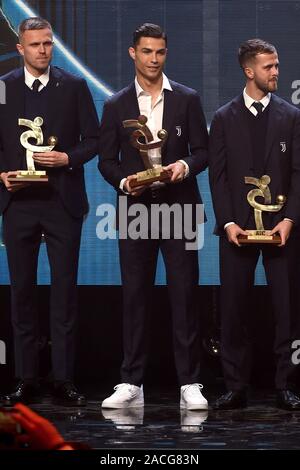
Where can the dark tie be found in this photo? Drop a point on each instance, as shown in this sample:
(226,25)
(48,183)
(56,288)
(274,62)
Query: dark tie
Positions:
(258,106)
(35,86)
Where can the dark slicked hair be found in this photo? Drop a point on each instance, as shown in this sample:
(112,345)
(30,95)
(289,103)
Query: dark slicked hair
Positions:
(251,48)
(33,23)
(148,30)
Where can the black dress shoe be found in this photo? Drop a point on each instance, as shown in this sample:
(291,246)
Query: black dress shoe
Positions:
(66,394)
(232,400)
(25,392)
(287,400)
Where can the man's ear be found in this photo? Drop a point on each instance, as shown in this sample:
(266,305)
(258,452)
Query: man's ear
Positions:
(131,51)
(249,72)
(20,49)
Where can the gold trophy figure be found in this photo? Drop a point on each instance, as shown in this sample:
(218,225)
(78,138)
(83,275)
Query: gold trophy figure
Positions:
(260,235)
(152,173)
(31,174)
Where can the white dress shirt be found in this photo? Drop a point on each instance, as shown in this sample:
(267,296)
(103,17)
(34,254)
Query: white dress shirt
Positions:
(44,79)
(154,114)
(248,103)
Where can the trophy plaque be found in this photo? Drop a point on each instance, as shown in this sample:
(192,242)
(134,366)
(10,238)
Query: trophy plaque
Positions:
(31,175)
(260,235)
(152,173)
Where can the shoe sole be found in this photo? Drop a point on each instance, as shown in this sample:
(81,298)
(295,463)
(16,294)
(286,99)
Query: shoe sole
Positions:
(204,406)
(122,405)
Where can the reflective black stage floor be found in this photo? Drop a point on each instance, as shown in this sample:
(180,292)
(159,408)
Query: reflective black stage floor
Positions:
(162,425)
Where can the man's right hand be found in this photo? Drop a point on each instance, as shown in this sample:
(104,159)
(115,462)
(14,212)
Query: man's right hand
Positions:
(232,232)
(14,186)
(137,191)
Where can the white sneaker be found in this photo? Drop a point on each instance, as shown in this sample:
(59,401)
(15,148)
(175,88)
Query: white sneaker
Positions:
(191,397)
(191,421)
(124,418)
(125,396)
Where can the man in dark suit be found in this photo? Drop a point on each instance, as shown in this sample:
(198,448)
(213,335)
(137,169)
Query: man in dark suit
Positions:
(255,134)
(177,109)
(55,209)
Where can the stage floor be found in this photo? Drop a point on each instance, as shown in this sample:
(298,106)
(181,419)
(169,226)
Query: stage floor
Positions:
(162,425)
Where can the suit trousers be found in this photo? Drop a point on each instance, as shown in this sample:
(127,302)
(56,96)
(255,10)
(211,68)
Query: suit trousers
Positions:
(138,260)
(237,269)
(24,222)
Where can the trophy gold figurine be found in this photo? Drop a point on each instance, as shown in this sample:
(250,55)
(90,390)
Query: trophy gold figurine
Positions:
(31,175)
(152,173)
(260,235)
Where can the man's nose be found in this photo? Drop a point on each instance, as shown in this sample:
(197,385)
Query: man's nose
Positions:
(42,48)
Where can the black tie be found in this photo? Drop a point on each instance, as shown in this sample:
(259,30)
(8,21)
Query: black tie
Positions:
(258,106)
(35,86)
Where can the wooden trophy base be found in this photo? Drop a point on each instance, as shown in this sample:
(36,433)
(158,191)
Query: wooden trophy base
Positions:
(147,177)
(259,236)
(29,177)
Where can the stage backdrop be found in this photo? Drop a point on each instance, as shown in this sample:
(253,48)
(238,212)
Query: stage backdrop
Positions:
(92,38)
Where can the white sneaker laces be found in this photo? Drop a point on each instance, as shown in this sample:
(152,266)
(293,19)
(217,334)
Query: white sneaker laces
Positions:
(125,387)
(193,389)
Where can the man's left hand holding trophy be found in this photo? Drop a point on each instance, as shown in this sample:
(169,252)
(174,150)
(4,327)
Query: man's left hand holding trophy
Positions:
(42,155)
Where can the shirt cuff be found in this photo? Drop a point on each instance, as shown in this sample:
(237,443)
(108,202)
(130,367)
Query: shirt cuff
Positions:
(187,169)
(227,225)
(121,186)
(290,220)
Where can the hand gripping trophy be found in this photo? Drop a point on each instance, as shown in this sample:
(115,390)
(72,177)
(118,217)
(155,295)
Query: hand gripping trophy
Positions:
(260,235)
(31,174)
(152,173)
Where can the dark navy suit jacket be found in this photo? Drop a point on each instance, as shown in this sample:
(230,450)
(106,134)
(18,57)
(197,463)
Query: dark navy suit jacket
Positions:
(231,159)
(71,116)
(182,110)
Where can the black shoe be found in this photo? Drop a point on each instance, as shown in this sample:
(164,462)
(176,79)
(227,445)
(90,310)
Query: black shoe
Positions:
(66,394)
(232,400)
(287,400)
(25,392)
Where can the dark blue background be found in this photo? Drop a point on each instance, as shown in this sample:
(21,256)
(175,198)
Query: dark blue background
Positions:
(203,37)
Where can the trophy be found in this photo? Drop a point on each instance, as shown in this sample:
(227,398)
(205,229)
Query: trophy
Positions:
(31,175)
(260,235)
(152,173)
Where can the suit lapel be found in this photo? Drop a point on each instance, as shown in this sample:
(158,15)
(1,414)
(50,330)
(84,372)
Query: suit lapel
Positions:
(16,96)
(132,109)
(274,124)
(16,110)
(55,95)
(242,129)
(170,105)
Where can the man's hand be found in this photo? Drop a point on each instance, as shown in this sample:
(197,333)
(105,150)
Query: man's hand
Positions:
(178,171)
(14,186)
(232,232)
(284,229)
(137,191)
(51,159)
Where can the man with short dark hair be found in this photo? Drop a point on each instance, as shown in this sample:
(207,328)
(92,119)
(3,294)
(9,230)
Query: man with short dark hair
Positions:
(55,209)
(177,109)
(253,135)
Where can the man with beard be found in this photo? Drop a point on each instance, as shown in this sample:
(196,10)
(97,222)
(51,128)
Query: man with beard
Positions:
(255,134)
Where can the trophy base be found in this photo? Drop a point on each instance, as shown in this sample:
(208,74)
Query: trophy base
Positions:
(259,236)
(147,177)
(28,176)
